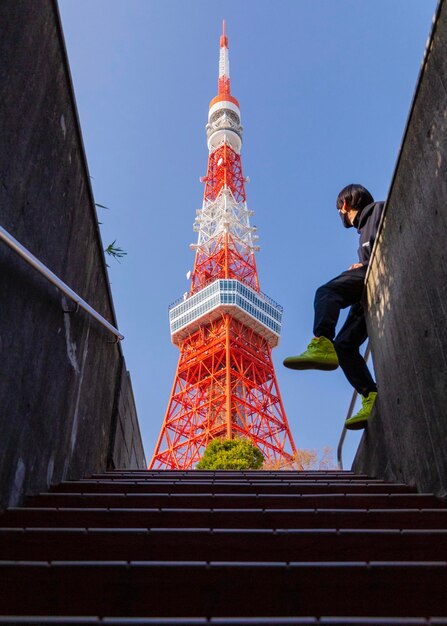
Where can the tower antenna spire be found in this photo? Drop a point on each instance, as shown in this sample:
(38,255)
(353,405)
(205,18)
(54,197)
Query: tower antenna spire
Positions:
(224,63)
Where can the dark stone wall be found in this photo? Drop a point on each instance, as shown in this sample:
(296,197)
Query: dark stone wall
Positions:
(126,448)
(66,403)
(407,296)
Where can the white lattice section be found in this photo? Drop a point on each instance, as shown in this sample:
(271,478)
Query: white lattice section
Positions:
(225,215)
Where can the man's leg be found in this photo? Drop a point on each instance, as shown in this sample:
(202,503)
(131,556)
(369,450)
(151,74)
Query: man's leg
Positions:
(337,294)
(347,344)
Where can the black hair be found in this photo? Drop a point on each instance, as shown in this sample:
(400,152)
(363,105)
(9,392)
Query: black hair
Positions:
(355,196)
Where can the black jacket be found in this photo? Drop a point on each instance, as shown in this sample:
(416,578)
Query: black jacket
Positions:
(367,226)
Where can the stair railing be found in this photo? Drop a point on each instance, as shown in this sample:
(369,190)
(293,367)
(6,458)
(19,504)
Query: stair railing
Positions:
(23,252)
(349,415)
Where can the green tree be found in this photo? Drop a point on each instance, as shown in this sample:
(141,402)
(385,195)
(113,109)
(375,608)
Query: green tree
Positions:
(232,454)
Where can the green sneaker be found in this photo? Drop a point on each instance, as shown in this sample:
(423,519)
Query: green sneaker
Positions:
(361,419)
(320,355)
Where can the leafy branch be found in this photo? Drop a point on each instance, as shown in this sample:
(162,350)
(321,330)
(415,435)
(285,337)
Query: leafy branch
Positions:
(114,251)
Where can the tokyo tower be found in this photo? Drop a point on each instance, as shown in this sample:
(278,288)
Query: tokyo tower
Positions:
(225,327)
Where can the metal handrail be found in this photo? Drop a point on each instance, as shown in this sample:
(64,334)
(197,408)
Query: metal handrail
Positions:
(350,410)
(15,245)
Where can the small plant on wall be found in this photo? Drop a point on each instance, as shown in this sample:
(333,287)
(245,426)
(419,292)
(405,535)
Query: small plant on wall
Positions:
(231,454)
(112,249)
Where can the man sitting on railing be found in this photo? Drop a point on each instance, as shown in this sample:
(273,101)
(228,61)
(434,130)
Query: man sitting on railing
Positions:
(356,207)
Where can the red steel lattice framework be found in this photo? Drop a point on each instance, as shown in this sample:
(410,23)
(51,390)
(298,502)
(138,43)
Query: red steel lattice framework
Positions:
(225,384)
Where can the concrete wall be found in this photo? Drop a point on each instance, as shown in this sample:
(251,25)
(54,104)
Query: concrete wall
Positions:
(407,296)
(66,403)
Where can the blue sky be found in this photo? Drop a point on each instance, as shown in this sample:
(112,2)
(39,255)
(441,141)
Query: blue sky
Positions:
(325,87)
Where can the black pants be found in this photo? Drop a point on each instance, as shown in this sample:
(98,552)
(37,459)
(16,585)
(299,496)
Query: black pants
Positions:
(340,292)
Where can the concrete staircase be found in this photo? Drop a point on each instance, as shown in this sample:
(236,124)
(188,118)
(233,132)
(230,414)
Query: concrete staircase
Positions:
(239,548)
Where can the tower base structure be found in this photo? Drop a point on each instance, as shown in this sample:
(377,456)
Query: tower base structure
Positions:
(225,386)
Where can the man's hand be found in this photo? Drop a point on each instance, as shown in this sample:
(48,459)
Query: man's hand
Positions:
(355,266)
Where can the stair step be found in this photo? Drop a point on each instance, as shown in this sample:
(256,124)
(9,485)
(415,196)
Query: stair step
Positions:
(227,487)
(294,589)
(219,501)
(230,474)
(222,621)
(52,517)
(43,544)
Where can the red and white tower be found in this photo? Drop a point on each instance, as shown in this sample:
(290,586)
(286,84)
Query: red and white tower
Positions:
(225,385)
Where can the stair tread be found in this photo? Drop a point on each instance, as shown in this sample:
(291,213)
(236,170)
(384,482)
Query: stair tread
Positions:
(279,589)
(226,531)
(225,487)
(230,518)
(219,621)
(216,501)
(221,544)
(282,477)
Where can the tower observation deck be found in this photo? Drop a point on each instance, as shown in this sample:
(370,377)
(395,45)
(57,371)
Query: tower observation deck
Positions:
(225,384)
